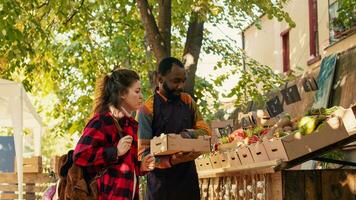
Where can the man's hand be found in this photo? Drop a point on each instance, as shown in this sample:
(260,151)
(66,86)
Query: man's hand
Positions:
(148,163)
(183,157)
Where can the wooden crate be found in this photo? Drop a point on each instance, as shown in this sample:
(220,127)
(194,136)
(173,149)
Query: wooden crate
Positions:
(283,185)
(258,152)
(349,118)
(219,160)
(295,146)
(245,155)
(233,159)
(203,163)
(33,188)
(31,165)
(167,144)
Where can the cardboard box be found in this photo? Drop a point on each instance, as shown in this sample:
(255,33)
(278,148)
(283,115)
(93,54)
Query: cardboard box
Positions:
(233,159)
(258,152)
(218,160)
(245,155)
(167,144)
(349,118)
(297,145)
(31,165)
(198,164)
(207,163)
(203,163)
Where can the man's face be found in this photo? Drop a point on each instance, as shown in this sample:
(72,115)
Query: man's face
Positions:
(173,82)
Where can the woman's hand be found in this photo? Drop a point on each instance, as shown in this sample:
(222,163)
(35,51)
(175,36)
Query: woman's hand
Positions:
(124,145)
(148,163)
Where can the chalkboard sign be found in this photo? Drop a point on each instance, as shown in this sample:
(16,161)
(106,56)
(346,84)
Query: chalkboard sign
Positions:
(310,84)
(274,107)
(248,121)
(291,94)
(7,153)
(225,131)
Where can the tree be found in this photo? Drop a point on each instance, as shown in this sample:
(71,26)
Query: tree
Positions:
(58,49)
(198,12)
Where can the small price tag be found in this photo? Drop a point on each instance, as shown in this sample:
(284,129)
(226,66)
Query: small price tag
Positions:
(291,94)
(274,107)
(310,84)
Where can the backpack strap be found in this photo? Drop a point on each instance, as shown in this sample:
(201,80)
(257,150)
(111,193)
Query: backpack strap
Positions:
(68,162)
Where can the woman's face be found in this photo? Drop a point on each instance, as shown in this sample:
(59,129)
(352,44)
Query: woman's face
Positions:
(132,100)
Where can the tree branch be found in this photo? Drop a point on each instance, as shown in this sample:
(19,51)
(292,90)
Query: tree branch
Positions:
(165,23)
(192,50)
(155,40)
(46,3)
(74,13)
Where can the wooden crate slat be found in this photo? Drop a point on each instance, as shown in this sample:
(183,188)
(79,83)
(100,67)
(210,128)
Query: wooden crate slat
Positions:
(8,188)
(13,188)
(274,186)
(293,184)
(31,165)
(8,196)
(313,185)
(27,178)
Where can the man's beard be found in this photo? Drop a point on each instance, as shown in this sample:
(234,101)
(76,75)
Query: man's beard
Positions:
(171,94)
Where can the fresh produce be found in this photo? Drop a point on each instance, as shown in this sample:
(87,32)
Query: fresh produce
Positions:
(322,111)
(242,137)
(253,139)
(308,124)
(313,119)
(283,127)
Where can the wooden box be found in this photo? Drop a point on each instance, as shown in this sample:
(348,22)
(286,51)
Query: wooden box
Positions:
(297,145)
(258,152)
(31,165)
(218,160)
(245,155)
(349,118)
(233,159)
(198,164)
(167,144)
(203,163)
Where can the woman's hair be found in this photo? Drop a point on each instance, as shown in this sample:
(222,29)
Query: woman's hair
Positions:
(111,87)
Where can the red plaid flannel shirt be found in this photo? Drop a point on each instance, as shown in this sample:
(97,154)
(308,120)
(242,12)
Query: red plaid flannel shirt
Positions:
(97,150)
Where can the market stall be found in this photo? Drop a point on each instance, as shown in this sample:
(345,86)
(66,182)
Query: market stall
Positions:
(17,111)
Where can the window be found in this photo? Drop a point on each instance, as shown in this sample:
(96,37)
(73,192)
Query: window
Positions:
(313,32)
(285,46)
(334,27)
(342,19)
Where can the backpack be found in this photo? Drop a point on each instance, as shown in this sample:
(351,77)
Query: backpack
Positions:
(72,183)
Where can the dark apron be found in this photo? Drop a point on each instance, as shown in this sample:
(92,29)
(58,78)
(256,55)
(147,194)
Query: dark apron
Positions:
(179,182)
